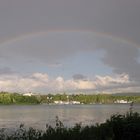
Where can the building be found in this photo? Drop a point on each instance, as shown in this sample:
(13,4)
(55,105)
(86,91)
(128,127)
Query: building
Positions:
(28,94)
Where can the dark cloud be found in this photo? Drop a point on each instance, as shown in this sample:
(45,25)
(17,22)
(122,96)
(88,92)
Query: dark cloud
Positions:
(123,59)
(79,77)
(117,17)
(127,87)
(6,70)
(51,48)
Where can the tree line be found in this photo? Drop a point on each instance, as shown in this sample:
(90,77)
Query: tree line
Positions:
(16,98)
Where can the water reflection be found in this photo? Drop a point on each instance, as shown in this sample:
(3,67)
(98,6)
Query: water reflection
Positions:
(38,115)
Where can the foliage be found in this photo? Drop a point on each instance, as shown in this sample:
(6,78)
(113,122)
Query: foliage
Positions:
(15,98)
(89,99)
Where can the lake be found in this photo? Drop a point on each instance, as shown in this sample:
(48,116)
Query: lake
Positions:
(11,116)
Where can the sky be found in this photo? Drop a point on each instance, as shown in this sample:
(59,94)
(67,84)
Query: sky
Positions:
(70,45)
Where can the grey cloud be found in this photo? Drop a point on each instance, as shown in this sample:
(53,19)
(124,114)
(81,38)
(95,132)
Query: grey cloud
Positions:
(79,77)
(117,17)
(48,48)
(55,65)
(51,48)
(6,70)
(128,87)
(124,59)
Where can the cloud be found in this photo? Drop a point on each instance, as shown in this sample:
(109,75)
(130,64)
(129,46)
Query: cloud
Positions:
(108,80)
(42,83)
(6,70)
(123,59)
(53,47)
(40,77)
(72,30)
(79,77)
(119,18)
(16,83)
(55,65)
(49,47)
(109,83)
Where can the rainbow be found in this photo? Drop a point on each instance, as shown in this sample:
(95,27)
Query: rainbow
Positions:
(100,34)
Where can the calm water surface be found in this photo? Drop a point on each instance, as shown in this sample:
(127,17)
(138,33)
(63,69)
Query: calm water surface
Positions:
(37,116)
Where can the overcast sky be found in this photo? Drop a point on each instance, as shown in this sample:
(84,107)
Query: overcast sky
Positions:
(69,45)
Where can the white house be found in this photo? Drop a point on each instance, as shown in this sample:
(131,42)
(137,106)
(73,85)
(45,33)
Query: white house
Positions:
(122,101)
(28,94)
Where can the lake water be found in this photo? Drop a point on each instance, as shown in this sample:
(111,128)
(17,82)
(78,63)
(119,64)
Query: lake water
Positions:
(11,116)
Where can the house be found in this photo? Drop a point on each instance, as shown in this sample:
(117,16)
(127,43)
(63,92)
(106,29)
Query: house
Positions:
(28,94)
(122,101)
